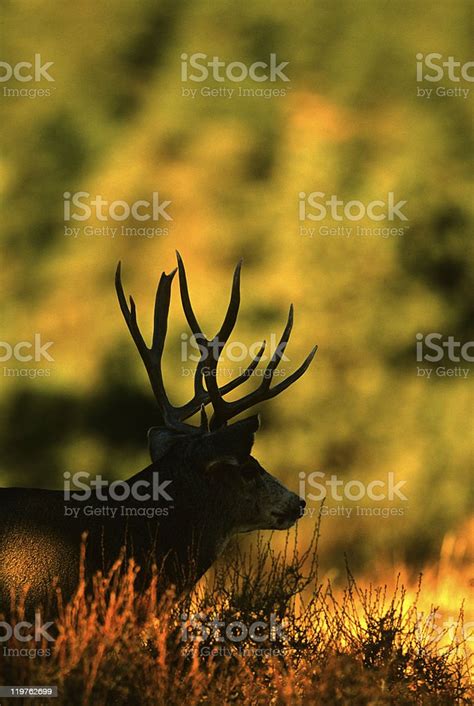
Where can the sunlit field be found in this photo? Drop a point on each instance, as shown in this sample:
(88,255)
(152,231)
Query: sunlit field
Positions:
(312,642)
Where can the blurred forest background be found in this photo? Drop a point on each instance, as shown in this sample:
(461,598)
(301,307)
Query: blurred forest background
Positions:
(116,124)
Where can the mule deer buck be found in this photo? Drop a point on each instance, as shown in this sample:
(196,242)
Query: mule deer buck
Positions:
(206,485)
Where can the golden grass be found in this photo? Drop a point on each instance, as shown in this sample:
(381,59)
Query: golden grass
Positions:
(355,645)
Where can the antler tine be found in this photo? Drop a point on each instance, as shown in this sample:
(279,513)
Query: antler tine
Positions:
(279,387)
(211,349)
(162,307)
(223,411)
(202,396)
(185,299)
(233,308)
(217,344)
(128,314)
(246,374)
(227,410)
(204,420)
(152,356)
(280,349)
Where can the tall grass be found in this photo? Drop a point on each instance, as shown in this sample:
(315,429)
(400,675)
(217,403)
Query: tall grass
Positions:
(353,646)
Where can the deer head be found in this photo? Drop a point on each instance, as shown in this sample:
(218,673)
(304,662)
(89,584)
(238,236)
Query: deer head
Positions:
(217,487)
(212,463)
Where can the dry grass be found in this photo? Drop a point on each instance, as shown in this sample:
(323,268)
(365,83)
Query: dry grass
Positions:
(353,646)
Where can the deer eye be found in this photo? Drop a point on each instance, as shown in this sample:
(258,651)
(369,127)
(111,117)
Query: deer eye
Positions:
(223,464)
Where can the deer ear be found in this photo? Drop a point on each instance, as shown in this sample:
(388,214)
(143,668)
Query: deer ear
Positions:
(252,423)
(160,440)
(231,444)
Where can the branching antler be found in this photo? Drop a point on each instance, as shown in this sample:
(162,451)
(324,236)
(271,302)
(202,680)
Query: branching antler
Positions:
(206,369)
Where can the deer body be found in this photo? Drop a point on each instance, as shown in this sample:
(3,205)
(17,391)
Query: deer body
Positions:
(212,488)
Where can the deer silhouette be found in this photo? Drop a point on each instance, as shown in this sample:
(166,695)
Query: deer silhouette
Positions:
(204,485)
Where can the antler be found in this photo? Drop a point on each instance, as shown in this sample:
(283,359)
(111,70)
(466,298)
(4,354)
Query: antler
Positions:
(223,410)
(206,369)
(152,356)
